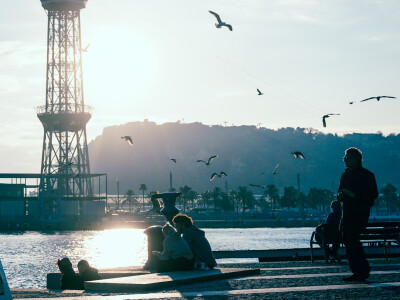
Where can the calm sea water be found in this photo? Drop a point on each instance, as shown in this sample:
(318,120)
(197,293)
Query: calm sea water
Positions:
(27,257)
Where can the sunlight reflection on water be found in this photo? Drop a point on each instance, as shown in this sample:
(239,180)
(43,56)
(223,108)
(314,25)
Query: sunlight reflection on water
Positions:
(28,256)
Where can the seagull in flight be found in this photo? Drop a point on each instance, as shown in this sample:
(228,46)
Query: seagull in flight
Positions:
(259,92)
(173,159)
(219,175)
(128,139)
(261,186)
(276,169)
(86,48)
(327,116)
(351,102)
(298,154)
(209,160)
(377,98)
(220,23)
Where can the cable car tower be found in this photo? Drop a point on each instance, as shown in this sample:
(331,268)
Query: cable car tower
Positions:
(65,159)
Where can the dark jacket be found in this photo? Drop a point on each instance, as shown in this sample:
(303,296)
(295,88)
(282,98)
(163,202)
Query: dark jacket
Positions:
(200,246)
(71,281)
(363,184)
(90,274)
(333,219)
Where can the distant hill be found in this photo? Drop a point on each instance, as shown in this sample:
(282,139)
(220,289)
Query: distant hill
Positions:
(244,152)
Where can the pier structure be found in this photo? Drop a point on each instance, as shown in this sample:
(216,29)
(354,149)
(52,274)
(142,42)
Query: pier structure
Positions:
(65,159)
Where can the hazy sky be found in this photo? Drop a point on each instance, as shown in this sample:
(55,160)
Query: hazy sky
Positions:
(165,61)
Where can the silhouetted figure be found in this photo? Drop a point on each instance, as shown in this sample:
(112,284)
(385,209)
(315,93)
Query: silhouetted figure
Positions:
(196,239)
(69,280)
(87,272)
(298,154)
(331,231)
(128,139)
(377,98)
(357,191)
(176,255)
(156,204)
(221,174)
(259,92)
(327,116)
(220,23)
(209,160)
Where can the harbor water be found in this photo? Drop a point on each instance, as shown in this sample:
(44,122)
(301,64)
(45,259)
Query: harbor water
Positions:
(28,256)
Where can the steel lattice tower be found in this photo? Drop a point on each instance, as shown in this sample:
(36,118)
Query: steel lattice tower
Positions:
(65,158)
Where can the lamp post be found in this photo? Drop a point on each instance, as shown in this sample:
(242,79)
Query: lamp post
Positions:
(117,194)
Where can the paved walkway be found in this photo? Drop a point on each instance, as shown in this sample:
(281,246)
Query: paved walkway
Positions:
(278,280)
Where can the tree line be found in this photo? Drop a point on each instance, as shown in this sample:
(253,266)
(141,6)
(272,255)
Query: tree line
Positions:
(244,200)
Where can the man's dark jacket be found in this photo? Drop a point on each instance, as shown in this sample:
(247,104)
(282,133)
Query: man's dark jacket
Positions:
(199,245)
(362,183)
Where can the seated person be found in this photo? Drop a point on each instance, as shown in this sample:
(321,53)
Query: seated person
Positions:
(87,272)
(331,229)
(177,255)
(69,280)
(196,239)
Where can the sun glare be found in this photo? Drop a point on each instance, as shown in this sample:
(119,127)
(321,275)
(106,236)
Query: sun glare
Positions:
(117,248)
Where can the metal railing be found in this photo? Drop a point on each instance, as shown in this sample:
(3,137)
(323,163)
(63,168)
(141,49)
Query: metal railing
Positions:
(57,108)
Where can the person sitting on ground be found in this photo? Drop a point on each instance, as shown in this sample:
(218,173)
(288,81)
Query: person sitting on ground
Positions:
(69,280)
(196,239)
(177,255)
(331,229)
(87,272)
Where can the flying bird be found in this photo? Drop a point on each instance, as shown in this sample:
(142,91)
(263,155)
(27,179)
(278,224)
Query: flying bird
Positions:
(351,102)
(327,116)
(219,175)
(298,154)
(128,139)
(377,98)
(173,159)
(209,160)
(259,92)
(86,48)
(261,186)
(220,23)
(276,169)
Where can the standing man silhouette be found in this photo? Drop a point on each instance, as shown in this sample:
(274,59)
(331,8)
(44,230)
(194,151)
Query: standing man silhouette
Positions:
(357,191)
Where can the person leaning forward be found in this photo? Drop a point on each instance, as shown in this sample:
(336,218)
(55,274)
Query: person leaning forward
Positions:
(196,239)
(357,191)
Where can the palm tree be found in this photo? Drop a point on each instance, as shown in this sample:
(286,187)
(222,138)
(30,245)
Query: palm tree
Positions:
(206,196)
(192,195)
(143,188)
(234,197)
(216,194)
(273,193)
(185,195)
(246,197)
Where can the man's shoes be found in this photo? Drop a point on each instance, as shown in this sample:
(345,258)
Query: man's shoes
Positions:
(355,277)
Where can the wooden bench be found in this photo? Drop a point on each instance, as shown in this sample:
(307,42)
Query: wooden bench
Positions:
(376,234)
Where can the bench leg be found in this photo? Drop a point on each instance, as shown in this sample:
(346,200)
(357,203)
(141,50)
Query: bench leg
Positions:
(311,254)
(385,251)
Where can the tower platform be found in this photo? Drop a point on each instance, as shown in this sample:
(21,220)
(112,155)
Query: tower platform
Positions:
(63,4)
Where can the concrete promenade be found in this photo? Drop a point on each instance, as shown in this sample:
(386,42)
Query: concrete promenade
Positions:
(277,280)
